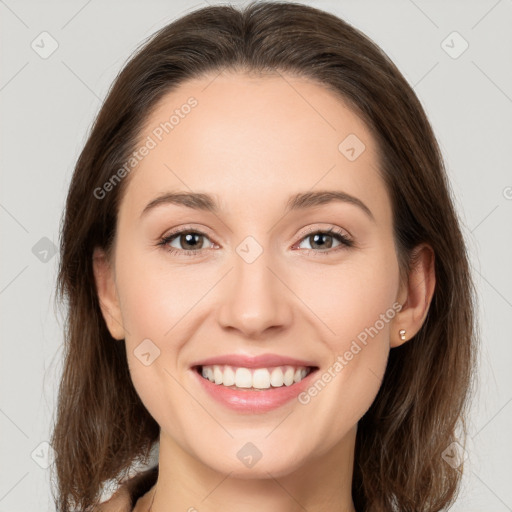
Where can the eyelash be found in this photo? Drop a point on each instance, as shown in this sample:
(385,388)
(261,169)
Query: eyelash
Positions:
(335,232)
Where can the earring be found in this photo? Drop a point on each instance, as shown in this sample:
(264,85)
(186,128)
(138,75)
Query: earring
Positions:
(402,334)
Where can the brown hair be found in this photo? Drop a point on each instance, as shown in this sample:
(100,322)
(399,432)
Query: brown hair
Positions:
(101,423)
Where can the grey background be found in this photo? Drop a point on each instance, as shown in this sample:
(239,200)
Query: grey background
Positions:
(47,107)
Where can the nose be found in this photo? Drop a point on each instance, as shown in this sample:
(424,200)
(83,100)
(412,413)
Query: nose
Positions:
(255,298)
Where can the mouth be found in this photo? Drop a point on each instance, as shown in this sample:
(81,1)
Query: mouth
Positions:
(253,384)
(254,379)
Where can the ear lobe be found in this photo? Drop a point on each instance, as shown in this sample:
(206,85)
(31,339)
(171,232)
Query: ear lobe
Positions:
(419,291)
(107,293)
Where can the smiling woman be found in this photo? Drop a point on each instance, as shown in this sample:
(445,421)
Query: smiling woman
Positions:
(278,296)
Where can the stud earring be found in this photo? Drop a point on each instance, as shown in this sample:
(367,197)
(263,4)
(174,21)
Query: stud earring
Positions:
(402,334)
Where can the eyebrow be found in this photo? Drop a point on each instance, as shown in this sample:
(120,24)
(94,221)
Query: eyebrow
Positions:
(301,201)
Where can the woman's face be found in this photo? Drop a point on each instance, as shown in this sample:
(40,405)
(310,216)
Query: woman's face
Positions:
(263,280)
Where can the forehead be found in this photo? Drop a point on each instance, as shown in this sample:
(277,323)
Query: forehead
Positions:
(243,137)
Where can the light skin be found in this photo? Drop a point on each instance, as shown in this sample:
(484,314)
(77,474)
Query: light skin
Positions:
(252,142)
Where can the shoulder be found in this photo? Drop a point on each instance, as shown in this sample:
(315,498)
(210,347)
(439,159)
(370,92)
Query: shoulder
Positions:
(129,492)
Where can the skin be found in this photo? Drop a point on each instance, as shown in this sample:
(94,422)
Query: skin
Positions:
(253,142)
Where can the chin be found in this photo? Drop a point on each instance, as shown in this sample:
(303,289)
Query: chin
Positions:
(257,468)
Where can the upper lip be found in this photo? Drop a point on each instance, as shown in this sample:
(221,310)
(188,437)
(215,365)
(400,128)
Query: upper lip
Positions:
(260,361)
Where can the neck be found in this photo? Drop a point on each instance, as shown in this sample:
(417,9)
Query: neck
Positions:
(322,484)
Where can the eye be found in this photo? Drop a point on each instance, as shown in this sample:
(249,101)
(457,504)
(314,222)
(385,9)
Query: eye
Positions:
(324,241)
(190,242)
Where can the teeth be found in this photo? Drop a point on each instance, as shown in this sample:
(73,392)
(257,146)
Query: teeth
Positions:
(228,378)
(243,378)
(288,376)
(217,375)
(261,378)
(277,378)
(257,378)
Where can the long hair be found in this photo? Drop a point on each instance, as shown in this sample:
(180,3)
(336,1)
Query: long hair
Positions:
(101,424)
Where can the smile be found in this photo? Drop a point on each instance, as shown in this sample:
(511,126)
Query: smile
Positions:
(253,390)
(254,378)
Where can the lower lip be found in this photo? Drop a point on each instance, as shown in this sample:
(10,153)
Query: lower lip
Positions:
(249,401)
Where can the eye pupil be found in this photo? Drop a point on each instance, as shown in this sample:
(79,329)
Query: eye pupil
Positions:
(318,236)
(188,238)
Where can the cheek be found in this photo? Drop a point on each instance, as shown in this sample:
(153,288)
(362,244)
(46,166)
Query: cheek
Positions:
(160,305)
(358,308)
(351,297)
(153,296)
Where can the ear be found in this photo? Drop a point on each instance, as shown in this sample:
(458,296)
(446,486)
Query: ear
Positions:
(107,293)
(415,295)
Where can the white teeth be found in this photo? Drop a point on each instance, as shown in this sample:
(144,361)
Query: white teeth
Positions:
(207,373)
(300,373)
(277,378)
(243,378)
(258,378)
(288,375)
(217,375)
(228,378)
(261,378)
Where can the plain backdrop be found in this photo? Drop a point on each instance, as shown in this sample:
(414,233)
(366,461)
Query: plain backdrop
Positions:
(48,102)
